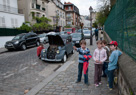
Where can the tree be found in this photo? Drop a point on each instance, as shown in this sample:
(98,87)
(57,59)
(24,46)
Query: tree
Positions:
(26,27)
(42,24)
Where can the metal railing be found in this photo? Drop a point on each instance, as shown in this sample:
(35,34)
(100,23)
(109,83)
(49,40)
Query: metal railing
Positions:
(121,26)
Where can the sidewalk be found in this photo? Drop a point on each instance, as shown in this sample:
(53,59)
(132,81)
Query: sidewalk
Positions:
(2,50)
(64,82)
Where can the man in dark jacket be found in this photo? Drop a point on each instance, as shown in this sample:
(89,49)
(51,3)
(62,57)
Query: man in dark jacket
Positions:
(96,34)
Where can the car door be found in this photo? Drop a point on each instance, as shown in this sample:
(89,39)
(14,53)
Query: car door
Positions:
(67,45)
(70,44)
(33,38)
(28,39)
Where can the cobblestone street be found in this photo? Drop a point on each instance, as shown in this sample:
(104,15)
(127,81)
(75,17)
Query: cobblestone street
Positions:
(64,83)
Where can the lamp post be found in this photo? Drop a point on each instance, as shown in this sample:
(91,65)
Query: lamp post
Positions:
(91,36)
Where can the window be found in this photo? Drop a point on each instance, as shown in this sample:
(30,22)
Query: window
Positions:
(69,8)
(14,22)
(2,21)
(69,22)
(68,15)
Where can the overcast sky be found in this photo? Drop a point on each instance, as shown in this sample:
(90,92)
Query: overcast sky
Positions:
(83,5)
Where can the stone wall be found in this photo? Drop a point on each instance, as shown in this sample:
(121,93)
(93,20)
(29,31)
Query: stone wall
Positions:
(126,74)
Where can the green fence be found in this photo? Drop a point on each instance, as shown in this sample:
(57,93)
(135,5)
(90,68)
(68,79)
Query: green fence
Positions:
(121,26)
(10,32)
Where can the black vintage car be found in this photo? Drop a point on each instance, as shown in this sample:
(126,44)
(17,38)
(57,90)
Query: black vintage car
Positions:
(60,46)
(22,41)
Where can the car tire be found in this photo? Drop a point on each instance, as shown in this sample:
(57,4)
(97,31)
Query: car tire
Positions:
(37,43)
(23,47)
(64,58)
(10,49)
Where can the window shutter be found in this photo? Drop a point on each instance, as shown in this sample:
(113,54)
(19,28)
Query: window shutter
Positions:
(12,22)
(3,21)
(16,23)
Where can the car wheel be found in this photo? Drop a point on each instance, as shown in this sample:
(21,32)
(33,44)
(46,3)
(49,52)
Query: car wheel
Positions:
(37,43)
(23,47)
(64,58)
(10,49)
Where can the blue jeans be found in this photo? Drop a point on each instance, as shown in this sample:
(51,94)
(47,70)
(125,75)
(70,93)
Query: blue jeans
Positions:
(105,67)
(80,69)
(111,78)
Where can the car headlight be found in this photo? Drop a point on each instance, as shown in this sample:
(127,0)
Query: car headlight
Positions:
(57,51)
(16,42)
(43,50)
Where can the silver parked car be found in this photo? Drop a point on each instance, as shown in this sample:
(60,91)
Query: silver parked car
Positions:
(60,46)
(86,34)
(43,38)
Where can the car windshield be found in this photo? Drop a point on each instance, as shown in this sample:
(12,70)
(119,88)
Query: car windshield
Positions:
(86,32)
(68,30)
(76,35)
(18,37)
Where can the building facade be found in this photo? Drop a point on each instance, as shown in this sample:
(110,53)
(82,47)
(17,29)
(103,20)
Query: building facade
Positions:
(33,8)
(85,22)
(72,15)
(9,16)
(56,13)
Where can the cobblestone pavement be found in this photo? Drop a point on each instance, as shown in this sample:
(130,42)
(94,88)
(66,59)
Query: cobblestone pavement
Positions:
(64,83)
(22,70)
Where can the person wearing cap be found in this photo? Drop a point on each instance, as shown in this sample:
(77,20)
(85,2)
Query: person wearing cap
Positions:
(113,59)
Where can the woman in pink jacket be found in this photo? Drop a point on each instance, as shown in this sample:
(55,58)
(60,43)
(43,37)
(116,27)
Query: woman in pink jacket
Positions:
(99,57)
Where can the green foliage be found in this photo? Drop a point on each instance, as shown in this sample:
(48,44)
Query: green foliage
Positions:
(42,24)
(95,24)
(25,27)
(100,18)
(67,26)
(43,20)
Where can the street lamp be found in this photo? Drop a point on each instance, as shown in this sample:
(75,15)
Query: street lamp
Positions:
(91,36)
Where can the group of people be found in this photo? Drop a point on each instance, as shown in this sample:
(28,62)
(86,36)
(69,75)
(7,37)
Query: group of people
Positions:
(104,62)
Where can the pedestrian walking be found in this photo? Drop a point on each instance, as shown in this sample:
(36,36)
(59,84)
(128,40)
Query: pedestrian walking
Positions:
(84,56)
(105,65)
(39,49)
(96,34)
(113,59)
(99,57)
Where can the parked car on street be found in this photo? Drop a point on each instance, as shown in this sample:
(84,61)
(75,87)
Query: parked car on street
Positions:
(86,34)
(70,30)
(63,32)
(60,46)
(22,41)
(76,38)
(43,38)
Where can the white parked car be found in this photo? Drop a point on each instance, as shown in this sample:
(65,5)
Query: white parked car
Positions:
(43,38)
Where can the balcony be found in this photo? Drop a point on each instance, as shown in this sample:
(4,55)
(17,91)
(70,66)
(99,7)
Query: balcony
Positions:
(8,9)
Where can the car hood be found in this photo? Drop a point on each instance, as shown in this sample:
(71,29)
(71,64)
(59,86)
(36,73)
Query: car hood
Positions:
(76,39)
(55,40)
(12,41)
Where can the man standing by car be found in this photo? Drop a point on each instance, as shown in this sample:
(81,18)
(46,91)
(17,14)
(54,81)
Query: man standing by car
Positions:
(96,34)
(39,49)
